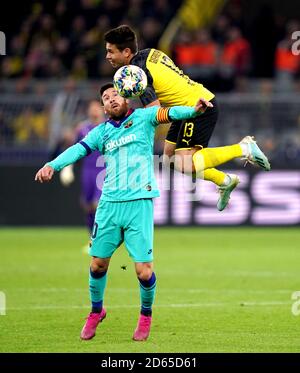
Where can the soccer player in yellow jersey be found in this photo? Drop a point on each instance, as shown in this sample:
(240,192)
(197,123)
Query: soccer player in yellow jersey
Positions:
(169,86)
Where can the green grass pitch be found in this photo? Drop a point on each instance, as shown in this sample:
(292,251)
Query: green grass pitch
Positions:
(219,290)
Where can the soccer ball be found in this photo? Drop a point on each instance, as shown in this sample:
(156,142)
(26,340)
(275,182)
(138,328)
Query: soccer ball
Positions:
(130,81)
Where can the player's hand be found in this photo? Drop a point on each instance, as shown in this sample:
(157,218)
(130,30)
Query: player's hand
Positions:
(66,175)
(45,174)
(202,105)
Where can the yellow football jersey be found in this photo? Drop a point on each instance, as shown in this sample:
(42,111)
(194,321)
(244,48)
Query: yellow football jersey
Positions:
(166,82)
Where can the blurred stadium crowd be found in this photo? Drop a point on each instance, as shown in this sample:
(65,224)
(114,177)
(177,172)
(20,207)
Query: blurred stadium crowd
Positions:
(65,37)
(56,57)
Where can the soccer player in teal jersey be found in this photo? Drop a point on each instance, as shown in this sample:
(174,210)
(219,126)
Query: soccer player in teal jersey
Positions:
(125,209)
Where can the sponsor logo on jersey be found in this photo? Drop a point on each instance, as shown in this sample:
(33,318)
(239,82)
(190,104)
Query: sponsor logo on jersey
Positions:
(113,144)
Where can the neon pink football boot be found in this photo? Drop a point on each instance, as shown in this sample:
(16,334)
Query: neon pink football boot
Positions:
(89,329)
(142,331)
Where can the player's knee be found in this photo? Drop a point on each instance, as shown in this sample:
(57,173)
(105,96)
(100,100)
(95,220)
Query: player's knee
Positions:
(99,265)
(145,275)
(144,272)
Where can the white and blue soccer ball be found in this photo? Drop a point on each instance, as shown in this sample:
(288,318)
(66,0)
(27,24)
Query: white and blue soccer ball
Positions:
(130,81)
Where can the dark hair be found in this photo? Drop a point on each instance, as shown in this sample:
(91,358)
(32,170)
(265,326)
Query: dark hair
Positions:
(105,87)
(123,37)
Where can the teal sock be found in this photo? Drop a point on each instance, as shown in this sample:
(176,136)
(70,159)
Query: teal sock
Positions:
(97,282)
(147,293)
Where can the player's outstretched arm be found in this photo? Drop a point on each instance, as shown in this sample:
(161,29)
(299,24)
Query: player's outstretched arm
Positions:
(165,114)
(69,156)
(44,174)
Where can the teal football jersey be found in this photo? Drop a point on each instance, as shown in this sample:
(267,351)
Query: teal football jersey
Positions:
(127,147)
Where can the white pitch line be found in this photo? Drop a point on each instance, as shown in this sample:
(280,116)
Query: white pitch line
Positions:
(172,305)
(161,290)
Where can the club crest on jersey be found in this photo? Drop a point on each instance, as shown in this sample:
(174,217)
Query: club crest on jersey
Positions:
(105,137)
(113,144)
(128,124)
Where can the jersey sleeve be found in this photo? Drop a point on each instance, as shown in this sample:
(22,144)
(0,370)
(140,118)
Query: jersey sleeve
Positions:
(158,115)
(150,115)
(93,140)
(182,112)
(69,156)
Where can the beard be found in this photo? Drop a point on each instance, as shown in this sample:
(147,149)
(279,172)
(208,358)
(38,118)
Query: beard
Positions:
(118,114)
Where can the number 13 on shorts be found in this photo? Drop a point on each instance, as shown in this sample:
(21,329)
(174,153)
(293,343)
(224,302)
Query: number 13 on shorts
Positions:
(188,129)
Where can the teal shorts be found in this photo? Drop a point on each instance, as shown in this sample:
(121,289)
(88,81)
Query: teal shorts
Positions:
(130,222)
